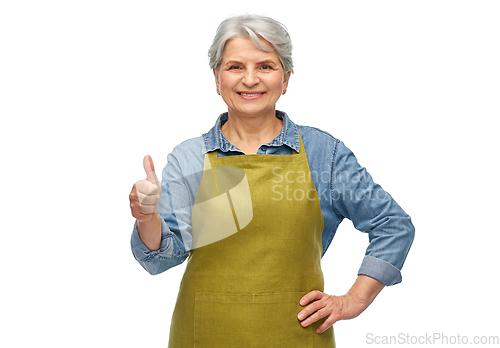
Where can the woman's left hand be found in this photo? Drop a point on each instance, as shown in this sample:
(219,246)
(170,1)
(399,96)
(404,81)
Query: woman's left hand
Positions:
(334,307)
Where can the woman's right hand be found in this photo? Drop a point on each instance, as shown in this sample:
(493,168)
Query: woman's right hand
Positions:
(145,194)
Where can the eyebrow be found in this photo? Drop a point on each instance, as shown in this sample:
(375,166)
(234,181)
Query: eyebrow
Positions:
(266,61)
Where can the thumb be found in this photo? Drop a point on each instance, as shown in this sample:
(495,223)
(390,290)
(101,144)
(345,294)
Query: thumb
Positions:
(149,167)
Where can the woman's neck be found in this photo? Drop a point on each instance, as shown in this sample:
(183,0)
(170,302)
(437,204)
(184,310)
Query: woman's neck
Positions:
(249,133)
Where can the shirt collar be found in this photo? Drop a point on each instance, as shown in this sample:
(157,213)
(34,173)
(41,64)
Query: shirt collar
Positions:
(215,140)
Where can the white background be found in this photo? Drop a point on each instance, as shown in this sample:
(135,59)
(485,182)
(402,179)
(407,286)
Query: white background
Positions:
(87,88)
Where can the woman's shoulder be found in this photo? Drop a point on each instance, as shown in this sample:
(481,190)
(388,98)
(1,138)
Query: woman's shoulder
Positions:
(191,146)
(317,140)
(187,156)
(313,131)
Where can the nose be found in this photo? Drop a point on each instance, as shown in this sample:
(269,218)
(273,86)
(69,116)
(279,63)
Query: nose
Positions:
(250,79)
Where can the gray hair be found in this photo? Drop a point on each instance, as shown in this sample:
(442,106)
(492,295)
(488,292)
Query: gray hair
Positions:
(252,26)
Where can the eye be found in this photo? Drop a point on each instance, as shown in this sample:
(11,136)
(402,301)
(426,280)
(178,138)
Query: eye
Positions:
(265,67)
(234,67)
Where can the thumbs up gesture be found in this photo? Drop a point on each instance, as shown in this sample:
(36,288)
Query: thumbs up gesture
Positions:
(145,194)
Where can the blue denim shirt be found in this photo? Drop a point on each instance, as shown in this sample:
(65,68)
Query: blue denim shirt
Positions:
(345,190)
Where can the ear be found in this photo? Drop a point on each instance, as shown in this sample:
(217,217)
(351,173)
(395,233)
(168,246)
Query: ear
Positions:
(286,78)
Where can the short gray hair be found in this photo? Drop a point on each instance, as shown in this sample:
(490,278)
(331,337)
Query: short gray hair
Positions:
(252,26)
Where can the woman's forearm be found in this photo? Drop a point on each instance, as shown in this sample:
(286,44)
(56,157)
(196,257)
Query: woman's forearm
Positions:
(150,232)
(365,289)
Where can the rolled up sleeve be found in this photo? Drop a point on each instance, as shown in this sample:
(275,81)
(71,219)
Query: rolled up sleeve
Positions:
(372,210)
(169,254)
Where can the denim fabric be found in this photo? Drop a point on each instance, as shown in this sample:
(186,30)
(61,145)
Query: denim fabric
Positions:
(344,187)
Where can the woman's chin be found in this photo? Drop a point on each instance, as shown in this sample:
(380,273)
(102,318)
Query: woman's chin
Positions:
(252,112)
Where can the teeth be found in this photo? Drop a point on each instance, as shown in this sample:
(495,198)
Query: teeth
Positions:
(250,95)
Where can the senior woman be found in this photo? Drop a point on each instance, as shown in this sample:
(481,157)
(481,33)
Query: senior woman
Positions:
(254,204)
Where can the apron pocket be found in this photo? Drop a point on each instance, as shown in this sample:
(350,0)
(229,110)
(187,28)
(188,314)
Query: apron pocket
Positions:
(241,320)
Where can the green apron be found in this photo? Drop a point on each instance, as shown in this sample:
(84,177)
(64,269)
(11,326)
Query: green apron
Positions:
(243,289)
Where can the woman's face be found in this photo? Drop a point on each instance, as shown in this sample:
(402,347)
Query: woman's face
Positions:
(250,80)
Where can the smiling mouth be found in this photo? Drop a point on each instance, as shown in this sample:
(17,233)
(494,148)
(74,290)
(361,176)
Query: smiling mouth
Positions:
(250,94)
